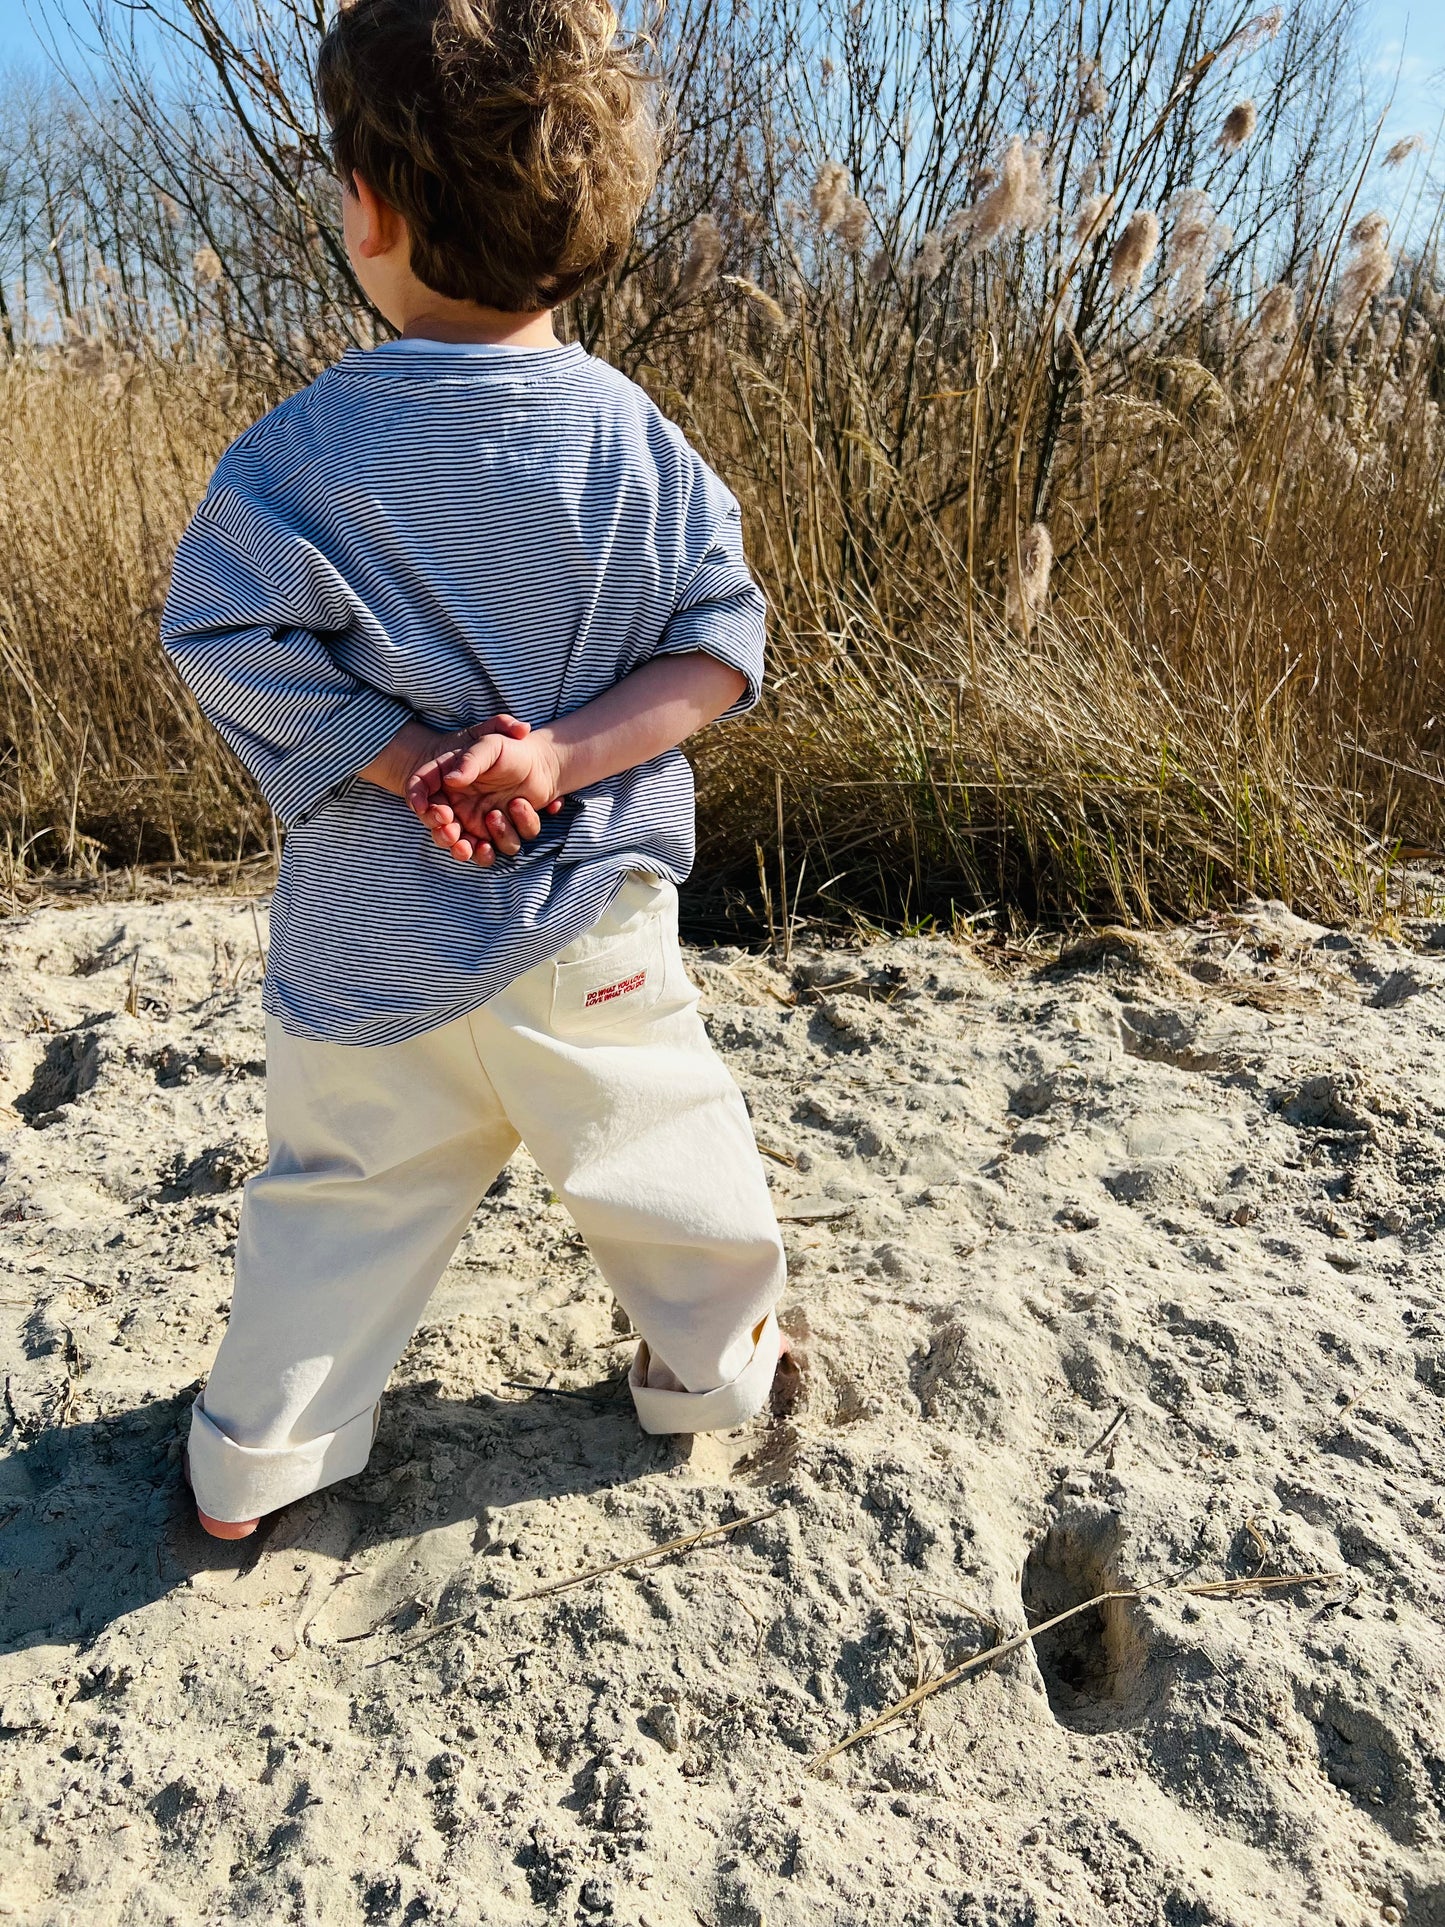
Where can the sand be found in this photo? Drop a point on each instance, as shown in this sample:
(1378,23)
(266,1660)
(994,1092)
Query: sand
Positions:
(1120,1270)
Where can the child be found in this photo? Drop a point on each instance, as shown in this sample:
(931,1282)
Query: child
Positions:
(470,521)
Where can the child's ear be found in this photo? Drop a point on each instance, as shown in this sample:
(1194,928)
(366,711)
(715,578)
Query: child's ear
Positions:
(381,225)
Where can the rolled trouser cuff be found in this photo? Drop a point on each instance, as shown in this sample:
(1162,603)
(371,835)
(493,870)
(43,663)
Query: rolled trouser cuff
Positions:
(236,1482)
(715,1411)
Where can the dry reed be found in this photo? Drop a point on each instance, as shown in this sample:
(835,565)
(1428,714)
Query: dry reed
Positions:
(1402,150)
(1134,252)
(1090,597)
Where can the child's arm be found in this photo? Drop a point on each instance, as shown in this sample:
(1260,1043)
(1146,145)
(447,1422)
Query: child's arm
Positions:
(707,663)
(252,623)
(461,794)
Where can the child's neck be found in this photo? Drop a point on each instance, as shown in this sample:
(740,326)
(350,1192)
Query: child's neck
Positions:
(466,321)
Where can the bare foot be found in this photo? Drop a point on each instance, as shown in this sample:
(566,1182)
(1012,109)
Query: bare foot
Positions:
(218,1528)
(787,1379)
(226,1528)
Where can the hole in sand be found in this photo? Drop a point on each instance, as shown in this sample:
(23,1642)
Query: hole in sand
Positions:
(1095,1666)
(67,1070)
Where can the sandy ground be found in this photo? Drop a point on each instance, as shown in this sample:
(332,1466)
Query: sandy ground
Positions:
(1198,1181)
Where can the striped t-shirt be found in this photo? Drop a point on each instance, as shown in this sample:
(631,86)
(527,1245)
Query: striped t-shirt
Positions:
(447,532)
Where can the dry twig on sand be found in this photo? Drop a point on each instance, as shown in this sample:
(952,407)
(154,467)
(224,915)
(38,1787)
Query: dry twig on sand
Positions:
(608,1397)
(1204,1589)
(684,1544)
(1107,1437)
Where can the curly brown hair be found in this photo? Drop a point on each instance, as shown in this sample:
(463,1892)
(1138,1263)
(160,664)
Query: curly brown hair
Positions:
(516,138)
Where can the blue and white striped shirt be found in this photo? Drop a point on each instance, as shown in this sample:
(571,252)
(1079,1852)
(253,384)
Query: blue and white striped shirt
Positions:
(447,532)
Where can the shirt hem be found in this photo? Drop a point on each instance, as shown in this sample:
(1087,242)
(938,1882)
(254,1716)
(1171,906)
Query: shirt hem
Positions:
(400,1027)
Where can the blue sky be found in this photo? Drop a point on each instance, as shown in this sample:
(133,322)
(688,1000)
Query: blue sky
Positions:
(1407,36)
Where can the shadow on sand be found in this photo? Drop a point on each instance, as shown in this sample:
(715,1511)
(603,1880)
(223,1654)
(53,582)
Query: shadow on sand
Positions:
(96,1523)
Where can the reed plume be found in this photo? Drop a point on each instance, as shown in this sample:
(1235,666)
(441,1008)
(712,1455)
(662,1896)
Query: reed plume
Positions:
(1367,270)
(1403,149)
(1239,125)
(1090,215)
(854,223)
(830,195)
(1133,252)
(1254,34)
(928,262)
(1018,200)
(1277,311)
(768,310)
(1029,575)
(1093,97)
(702,260)
(1195,239)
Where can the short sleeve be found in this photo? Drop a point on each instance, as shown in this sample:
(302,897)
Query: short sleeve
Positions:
(251,623)
(720,608)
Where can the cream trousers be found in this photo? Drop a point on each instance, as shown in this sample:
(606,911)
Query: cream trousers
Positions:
(599,1061)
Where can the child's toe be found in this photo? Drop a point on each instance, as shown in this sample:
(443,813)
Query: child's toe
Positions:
(788,1383)
(226,1528)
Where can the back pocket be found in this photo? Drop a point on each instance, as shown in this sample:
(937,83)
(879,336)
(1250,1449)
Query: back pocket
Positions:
(617,983)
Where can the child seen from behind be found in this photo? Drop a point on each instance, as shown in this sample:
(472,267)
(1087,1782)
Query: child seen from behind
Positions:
(473,577)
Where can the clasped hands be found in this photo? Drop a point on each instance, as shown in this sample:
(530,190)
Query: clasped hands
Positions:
(481,791)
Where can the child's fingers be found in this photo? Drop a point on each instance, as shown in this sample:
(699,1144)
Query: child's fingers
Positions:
(425,795)
(502,725)
(443,829)
(471,814)
(467,849)
(555,805)
(463,770)
(502,834)
(422,785)
(524,818)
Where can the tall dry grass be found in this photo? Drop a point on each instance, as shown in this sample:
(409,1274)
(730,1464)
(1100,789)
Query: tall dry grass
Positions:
(106,759)
(1218,670)
(1087,431)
